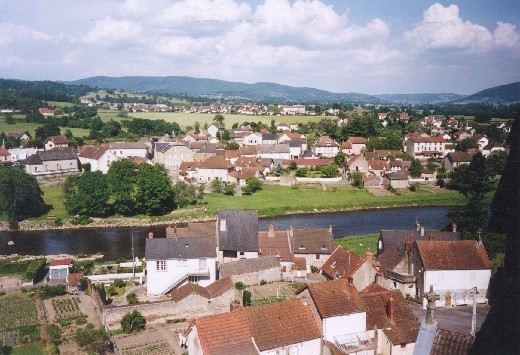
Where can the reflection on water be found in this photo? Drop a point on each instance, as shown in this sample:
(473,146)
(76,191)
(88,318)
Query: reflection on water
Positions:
(117,242)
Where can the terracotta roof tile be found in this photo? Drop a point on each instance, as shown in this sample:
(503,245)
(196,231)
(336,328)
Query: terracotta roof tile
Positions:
(458,255)
(451,343)
(73,279)
(300,264)
(404,327)
(342,263)
(187,290)
(373,288)
(275,243)
(92,152)
(397,238)
(335,298)
(215,162)
(389,259)
(269,327)
(61,262)
(220,286)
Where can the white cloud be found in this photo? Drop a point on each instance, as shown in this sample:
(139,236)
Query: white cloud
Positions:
(442,27)
(108,32)
(70,57)
(10,32)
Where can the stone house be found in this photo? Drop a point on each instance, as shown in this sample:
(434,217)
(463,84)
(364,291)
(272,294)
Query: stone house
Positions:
(252,271)
(353,145)
(397,179)
(456,159)
(171,155)
(99,157)
(123,150)
(357,163)
(283,327)
(59,161)
(5,156)
(343,263)
(276,243)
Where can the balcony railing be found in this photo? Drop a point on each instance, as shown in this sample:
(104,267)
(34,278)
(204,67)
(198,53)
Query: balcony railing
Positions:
(402,278)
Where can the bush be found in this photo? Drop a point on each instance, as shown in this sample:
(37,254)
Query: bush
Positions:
(133,322)
(246,298)
(413,187)
(81,220)
(111,290)
(119,283)
(83,284)
(92,340)
(314,269)
(240,286)
(52,291)
(102,293)
(263,282)
(132,298)
(58,222)
(81,320)
(34,268)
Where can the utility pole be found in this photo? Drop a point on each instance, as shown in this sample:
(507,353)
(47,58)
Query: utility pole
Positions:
(474,314)
(133,258)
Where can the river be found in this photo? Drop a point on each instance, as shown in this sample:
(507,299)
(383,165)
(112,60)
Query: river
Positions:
(117,242)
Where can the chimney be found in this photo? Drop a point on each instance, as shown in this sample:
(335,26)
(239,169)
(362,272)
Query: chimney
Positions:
(408,246)
(390,309)
(150,235)
(270,233)
(350,280)
(431,238)
(422,231)
(417,225)
(454,227)
(369,256)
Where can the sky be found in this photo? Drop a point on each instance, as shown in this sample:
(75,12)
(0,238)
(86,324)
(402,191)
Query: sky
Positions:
(370,47)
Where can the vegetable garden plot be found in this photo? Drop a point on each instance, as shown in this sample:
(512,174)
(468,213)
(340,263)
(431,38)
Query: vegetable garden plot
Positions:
(18,320)
(144,343)
(66,308)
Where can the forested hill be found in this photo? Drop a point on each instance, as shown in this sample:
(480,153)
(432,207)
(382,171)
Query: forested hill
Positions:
(503,94)
(263,92)
(45,90)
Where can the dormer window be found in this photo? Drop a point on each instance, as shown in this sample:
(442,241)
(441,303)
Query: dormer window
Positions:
(334,263)
(301,246)
(323,247)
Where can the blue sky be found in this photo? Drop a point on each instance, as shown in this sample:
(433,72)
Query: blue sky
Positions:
(372,47)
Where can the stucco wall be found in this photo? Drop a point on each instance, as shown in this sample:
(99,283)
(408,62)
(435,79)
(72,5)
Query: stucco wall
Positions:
(254,278)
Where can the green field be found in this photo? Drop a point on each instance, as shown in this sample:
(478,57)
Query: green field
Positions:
(30,127)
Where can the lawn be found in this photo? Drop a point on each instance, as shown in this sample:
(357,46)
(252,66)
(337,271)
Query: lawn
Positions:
(53,195)
(30,127)
(359,245)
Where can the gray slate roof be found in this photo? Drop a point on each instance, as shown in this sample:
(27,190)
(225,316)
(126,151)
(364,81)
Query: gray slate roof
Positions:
(274,148)
(54,154)
(248,266)
(240,232)
(396,239)
(180,248)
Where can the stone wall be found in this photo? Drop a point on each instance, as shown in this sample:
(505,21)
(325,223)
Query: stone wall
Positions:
(193,306)
(254,278)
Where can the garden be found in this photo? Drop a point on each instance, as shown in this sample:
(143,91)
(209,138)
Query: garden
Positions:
(18,320)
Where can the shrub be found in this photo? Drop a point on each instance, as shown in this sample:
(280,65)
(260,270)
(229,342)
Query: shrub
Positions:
(58,222)
(81,320)
(314,269)
(119,283)
(111,290)
(52,291)
(263,282)
(92,340)
(34,268)
(132,298)
(83,283)
(246,298)
(133,322)
(239,285)
(81,220)
(413,187)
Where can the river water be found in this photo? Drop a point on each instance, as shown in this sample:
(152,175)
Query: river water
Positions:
(117,242)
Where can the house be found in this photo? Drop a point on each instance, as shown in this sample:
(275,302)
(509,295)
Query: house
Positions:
(292,109)
(283,327)
(21,154)
(277,152)
(314,244)
(237,234)
(357,163)
(99,157)
(397,179)
(171,155)
(5,156)
(240,176)
(56,142)
(172,262)
(214,167)
(215,129)
(59,161)
(456,159)
(188,170)
(19,136)
(353,145)
(400,165)
(396,324)
(343,263)
(46,112)
(481,140)
(378,167)
(252,271)
(340,314)
(124,150)
(426,147)
(59,269)
(461,135)
(282,126)
(269,138)
(492,147)
(276,243)
(453,268)
(325,147)
(251,139)
(74,281)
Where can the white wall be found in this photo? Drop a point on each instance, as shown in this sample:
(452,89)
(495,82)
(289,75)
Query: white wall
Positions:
(310,347)
(346,324)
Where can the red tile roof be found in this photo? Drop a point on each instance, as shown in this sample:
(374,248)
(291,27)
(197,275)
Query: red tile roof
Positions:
(275,243)
(266,327)
(61,262)
(312,162)
(73,279)
(404,327)
(300,264)
(335,298)
(215,162)
(454,255)
(57,140)
(342,263)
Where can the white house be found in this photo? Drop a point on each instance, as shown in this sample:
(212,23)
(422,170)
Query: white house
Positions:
(325,147)
(456,159)
(99,158)
(353,145)
(56,142)
(453,268)
(59,161)
(214,167)
(275,151)
(172,262)
(278,328)
(124,150)
(59,269)
(171,155)
(20,154)
(426,147)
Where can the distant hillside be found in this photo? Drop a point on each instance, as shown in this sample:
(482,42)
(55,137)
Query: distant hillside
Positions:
(417,99)
(261,92)
(503,94)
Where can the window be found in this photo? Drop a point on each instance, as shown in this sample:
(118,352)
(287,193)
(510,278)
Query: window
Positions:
(317,256)
(161,265)
(223,225)
(193,279)
(301,246)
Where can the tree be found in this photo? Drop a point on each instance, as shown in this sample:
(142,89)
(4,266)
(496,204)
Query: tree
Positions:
(293,165)
(357,179)
(87,195)
(415,168)
(465,144)
(154,192)
(232,146)
(186,194)
(48,129)
(229,189)
(91,339)
(301,172)
(254,184)
(20,195)
(496,162)
(121,181)
(330,171)
(133,322)
(216,185)
(218,118)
